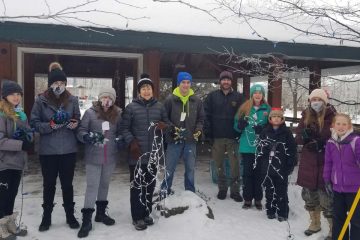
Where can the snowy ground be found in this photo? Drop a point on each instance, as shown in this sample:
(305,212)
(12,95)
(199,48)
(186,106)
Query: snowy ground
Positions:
(231,221)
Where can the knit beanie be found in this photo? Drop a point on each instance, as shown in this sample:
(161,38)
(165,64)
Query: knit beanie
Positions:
(144,79)
(9,87)
(183,76)
(257,87)
(225,74)
(320,93)
(107,92)
(56,73)
(276,112)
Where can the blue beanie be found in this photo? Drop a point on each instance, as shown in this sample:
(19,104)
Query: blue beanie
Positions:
(183,76)
(257,87)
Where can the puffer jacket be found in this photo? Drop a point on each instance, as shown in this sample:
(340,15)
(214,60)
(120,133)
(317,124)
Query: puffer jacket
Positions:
(59,141)
(311,165)
(91,122)
(342,163)
(11,154)
(136,121)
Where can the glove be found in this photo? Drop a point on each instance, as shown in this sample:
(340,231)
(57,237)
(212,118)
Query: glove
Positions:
(258,129)
(72,124)
(329,189)
(161,125)
(312,146)
(135,150)
(27,146)
(307,134)
(56,126)
(197,135)
(242,124)
(87,138)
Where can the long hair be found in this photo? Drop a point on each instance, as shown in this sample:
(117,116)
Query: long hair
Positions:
(245,108)
(8,109)
(313,117)
(110,115)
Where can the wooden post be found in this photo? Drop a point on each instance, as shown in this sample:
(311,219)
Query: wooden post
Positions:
(152,67)
(315,77)
(118,82)
(29,82)
(234,82)
(5,61)
(246,86)
(275,85)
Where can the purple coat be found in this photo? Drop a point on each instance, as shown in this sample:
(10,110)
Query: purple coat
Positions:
(342,164)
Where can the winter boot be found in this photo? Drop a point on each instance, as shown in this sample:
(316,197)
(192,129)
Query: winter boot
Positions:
(4,233)
(13,228)
(46,219)
(86,225)
(330,221)
(70,219)
(236,196)
(315,225)
(221,194)
(247,205)
(101,215)
(258,205)
(139,225)
(148,220)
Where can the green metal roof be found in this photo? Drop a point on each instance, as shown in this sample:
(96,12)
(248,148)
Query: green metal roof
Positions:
(138,41)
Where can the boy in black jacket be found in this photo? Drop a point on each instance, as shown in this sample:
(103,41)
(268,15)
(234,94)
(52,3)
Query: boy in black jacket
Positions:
(276,152)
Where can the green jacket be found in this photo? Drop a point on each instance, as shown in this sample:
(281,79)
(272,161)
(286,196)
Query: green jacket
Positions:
(248,136)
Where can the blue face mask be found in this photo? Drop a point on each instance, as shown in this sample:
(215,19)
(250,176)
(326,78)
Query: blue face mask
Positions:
(317,106)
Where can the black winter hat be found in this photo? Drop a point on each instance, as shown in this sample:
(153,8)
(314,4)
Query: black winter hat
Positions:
(144,79)
(56,73)
(9,87)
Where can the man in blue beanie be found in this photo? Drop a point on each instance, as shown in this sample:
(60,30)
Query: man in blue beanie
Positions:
(186,113)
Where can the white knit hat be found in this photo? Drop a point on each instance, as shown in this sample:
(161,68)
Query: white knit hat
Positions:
(320,93)
(107,92)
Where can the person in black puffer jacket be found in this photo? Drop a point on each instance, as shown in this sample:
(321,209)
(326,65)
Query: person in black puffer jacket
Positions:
(276,154)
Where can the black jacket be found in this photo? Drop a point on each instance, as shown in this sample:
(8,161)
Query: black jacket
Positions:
(220,111)
(282,143)
(136,121)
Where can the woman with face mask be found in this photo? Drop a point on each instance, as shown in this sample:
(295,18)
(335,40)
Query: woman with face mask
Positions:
(312,132)
(98,130)
(55,115)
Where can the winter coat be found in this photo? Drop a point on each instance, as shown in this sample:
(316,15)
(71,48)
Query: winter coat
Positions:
(195,116)
(135,123)
(248,136)
(59,141)
(282,143)
(312,162)
(91,122)
(342,163)
(220,110)
(11,154)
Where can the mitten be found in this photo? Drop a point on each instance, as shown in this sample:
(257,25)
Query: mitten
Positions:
(72,124)
(197,135)
(135,150)
(27,146)
(312,146)
(87,138)
(242,124)
(307,135)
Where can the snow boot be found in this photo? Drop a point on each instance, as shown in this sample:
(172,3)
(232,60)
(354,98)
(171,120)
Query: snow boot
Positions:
(330,221)
(258,205)
(222,194)
(46,218)
(148,220)
(13,228)
(101,215)
(86,225)
(315,225)
(236,196)
(247,205)
(70,219)
(4,233)
(140,225)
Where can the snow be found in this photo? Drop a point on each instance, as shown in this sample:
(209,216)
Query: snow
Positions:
(231,221)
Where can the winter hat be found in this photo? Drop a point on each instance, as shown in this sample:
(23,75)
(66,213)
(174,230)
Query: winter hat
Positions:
(56,73)
(107,92)
(320,93)
(257,87)
(9,87)
(183,76)
(144,79)
(276,112)
(225,74)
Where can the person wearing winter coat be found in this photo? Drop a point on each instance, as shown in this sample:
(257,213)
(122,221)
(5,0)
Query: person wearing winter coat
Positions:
(312,132)
(276,154)
(220,107)
(186,114)
(250,120)
(15,139)
(56,115)
(142,124)
(99,128)
(342,175)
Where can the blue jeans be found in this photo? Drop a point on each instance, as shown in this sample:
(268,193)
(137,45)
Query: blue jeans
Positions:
(173,154)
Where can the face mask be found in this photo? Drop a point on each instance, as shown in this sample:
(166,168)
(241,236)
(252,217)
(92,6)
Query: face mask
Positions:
(58,90)
(317,106)
(106,103)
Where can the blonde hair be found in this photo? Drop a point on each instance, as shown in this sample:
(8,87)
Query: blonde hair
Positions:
(8,109)
(245,108)
(346,116)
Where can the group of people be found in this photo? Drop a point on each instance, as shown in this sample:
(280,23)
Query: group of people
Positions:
(250,130)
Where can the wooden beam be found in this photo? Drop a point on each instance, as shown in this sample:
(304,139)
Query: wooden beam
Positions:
(152,67)
(275,85)
(118,82)
(315,77)
(29,82)
(5,61)
(246,86)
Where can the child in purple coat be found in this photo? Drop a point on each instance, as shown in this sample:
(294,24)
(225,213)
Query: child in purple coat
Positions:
(342,174)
